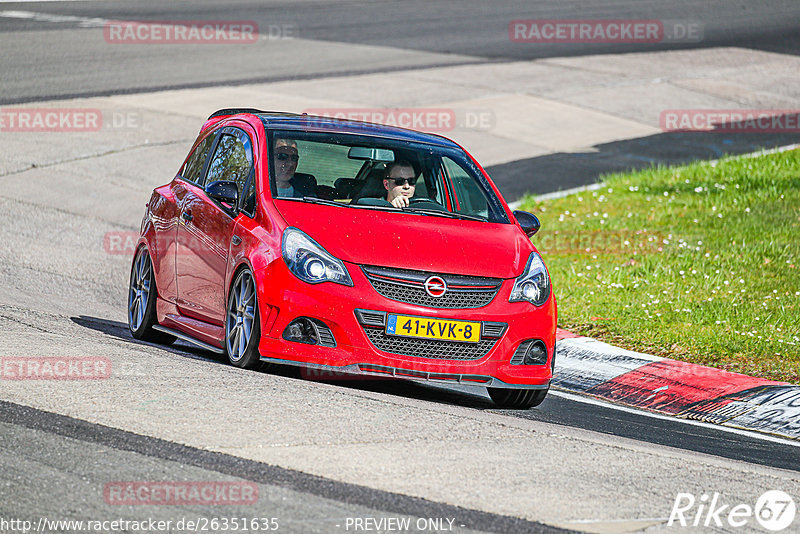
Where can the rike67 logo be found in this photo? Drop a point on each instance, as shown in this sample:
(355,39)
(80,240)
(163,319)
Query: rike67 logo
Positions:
(774,511)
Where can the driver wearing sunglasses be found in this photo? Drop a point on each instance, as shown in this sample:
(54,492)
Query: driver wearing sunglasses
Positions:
(400,183)
(286,159)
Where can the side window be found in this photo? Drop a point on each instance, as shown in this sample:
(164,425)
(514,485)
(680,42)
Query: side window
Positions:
(194,165)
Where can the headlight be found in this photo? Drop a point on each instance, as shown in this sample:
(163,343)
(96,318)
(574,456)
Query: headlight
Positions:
(310,262)
(534,284)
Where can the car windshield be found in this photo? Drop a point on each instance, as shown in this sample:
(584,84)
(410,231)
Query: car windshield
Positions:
(367,172)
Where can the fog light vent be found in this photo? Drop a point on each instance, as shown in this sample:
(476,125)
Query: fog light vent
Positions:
(519,354)
(326,338)
(309,331)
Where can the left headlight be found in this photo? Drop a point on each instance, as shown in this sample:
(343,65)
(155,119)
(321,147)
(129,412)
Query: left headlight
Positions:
(310,262)
(534,284)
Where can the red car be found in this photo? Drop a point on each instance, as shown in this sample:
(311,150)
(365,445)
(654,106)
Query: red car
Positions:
(345,246)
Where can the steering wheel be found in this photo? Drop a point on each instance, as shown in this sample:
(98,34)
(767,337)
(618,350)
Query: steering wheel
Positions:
(428,203)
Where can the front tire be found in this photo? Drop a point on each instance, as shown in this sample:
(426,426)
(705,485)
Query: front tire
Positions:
(242,324)
(142,296)
(517,399)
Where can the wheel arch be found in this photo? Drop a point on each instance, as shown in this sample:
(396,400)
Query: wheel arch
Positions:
(244,263)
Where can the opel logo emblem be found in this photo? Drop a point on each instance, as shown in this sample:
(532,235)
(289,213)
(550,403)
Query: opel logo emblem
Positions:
(435,286)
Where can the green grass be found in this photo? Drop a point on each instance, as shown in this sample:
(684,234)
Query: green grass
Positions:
(698,263)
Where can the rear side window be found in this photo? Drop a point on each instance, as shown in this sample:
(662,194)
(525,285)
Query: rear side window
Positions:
(193,169)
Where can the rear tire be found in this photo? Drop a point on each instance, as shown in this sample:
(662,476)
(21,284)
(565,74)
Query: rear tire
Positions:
(242,323)
(517,399)
(142,296)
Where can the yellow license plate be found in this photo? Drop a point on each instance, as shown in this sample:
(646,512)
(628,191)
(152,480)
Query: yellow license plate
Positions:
(428,328)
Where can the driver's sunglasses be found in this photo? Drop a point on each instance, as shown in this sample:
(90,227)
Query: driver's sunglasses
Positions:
(403,181)
(283,156)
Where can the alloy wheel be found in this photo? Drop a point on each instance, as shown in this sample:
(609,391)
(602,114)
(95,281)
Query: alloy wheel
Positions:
(241,315)
(139,292)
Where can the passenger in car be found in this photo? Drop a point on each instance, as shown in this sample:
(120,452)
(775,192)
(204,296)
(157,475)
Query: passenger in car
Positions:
(400,183)
(287,181)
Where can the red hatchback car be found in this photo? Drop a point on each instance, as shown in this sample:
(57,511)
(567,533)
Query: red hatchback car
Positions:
(345,246)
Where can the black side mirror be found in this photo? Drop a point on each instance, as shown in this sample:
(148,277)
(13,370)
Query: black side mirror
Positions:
(528,221)
(223,191)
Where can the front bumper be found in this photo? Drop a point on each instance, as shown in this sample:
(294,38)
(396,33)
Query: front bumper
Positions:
(283,298)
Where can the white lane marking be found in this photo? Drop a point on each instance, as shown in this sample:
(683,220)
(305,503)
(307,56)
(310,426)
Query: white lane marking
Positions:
(83,22)
(559,194)
(596,402)
(762,152)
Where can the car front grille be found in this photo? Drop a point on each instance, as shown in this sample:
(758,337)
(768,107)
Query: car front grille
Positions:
(429,348)
(408,286)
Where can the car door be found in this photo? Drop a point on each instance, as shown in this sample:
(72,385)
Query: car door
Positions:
(166,216)
(205,230)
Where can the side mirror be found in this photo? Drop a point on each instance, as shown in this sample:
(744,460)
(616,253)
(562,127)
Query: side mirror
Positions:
(528,221)
(223,191)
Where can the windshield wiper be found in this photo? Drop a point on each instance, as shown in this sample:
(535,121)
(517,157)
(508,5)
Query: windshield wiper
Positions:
(448,214)
(316,200)
(376,208)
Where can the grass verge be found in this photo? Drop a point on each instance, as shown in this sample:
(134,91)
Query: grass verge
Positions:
(698,263)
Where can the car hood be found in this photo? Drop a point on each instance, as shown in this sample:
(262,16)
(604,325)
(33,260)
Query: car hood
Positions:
(410,241)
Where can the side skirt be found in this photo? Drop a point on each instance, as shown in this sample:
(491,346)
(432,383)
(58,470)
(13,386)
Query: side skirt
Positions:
(190,339)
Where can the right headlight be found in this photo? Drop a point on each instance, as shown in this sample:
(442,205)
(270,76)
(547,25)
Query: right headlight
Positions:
(311,263)
(534,284)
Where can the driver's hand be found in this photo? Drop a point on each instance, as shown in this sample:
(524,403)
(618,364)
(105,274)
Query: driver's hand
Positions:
(400,202)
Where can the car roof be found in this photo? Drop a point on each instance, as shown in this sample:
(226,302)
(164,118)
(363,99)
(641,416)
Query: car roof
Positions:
(314,123)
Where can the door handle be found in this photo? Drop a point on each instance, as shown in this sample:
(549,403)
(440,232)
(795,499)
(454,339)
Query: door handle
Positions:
(187,216)
(236,240)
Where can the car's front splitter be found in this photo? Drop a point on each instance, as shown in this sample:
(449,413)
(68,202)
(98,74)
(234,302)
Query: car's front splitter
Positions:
(382,371)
